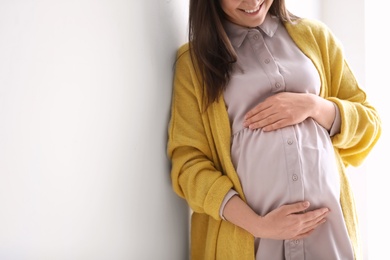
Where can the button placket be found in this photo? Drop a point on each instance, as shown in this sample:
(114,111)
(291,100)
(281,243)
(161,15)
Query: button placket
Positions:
(293,165)
(271,68)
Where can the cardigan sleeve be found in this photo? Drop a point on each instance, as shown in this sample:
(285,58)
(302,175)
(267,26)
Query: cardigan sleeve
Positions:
(360,122)
(194,173)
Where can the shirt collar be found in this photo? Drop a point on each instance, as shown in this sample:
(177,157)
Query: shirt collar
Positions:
(237,33)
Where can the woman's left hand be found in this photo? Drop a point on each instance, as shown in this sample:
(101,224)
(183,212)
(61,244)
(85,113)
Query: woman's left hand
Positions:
(287,108)
(280,110)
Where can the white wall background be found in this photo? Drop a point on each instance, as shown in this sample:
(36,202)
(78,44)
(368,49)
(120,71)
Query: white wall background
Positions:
(85,90)
(84,102)
(377,71)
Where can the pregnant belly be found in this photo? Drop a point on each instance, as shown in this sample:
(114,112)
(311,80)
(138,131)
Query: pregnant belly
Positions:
(284,166)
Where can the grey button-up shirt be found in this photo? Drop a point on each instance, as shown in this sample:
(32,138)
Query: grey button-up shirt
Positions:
(291,164)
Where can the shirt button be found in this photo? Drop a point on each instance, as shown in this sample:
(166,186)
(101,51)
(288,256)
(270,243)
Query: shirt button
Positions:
(290,142)
(278,85)
(295,177)
(256,37)
(266,61)
(294,242)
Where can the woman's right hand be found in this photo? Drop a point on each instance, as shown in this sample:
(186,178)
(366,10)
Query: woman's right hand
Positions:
(290,222)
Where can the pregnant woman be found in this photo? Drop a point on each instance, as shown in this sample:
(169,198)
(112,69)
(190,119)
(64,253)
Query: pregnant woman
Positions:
(266,116)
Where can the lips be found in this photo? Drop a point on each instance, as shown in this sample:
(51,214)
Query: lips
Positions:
(257,8)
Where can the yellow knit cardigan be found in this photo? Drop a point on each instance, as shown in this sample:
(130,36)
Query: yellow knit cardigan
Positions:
(199,144)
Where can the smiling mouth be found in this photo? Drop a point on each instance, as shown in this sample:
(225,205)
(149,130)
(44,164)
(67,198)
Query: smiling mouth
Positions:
(253,10)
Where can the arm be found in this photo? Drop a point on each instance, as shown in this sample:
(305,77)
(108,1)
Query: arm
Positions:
(196,177)
(360,122)
(286,108)
(195,174)
(285,222)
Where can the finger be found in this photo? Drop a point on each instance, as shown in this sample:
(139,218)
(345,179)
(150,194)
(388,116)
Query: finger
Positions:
(272,126)
(313,225)
(261,120)
(256,122)
(315,215)
(308,229)
(254,111)
(297,208)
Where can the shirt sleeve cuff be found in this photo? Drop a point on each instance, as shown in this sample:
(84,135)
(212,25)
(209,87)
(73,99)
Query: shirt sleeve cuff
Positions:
(228,196)
(336,126)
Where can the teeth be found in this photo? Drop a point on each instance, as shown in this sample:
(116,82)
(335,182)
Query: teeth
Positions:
(252,11)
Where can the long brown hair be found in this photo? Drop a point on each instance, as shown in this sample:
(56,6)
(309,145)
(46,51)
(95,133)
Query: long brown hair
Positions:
(210,47)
